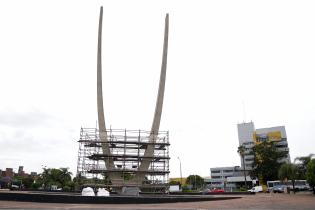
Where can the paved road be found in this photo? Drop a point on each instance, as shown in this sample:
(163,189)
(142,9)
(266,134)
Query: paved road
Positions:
(258,201)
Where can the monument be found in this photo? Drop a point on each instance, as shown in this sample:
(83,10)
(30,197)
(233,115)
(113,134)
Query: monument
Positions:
(129,164)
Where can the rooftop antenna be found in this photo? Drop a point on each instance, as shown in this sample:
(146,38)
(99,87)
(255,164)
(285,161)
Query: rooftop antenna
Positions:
(244,111)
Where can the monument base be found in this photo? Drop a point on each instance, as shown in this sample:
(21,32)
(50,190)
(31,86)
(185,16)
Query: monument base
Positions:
(130,191)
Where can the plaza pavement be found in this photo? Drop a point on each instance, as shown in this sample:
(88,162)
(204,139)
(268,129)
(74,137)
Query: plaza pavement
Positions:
(299,201)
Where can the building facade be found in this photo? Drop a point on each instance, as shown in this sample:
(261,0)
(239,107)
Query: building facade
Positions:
(227,177)
(233,176)
(248,136)
(10,173)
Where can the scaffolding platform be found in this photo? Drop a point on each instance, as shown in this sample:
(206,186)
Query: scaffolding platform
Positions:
(127,148)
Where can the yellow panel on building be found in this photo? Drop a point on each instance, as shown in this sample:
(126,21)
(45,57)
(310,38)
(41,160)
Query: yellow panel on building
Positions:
(274,136)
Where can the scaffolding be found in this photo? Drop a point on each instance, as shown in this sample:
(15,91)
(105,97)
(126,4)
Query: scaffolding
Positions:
(127,148)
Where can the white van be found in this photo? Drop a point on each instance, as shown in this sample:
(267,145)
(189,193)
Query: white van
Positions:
(256,189)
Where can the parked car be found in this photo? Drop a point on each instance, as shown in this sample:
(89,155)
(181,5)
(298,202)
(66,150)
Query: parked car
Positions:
(215,190)
(256,189)
(14,187)
(278,188)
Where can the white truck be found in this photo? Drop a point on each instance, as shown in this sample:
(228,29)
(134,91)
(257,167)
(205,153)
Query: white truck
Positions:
(256,189)
(174,188)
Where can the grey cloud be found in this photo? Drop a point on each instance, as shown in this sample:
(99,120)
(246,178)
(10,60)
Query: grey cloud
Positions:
(24,119)
(25,144)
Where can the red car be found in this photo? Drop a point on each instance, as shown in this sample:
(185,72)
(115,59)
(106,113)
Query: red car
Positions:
(215,190)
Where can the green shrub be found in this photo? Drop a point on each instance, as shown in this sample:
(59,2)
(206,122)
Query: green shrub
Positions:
(66,188)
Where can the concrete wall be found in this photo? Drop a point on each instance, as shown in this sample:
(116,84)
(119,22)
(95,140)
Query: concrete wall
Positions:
(245,132)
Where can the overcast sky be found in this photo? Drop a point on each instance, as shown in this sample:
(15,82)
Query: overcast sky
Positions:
(228,62)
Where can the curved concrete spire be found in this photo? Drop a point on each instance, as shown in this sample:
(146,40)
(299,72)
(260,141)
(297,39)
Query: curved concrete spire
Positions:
(160,97)
(149,152)
(100,109)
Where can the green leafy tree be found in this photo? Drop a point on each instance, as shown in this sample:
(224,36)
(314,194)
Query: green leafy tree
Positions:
(310,174)
(79,180)
(196,181)
(44,178)
(266,161)
(35,185)
(288,171)
(17,180)
(241,151)
(64,176)
(52,176)
(55,177)
(27,182)
(69,186)
(301,163)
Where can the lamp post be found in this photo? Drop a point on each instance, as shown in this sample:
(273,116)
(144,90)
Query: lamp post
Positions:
(180,168)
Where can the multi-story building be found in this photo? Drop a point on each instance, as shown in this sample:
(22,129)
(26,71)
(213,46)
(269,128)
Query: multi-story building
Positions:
(20,171)
(8,173)
(248,136)
(33,174)
(227,177)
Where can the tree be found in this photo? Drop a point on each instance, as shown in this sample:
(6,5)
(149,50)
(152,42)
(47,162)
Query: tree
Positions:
(52,176)
(266,161)
(27,182)
(78,181)
(65,176)
(44,178)
(301,163)
(310,174)
(195,180)
(241,151)
(288,171)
